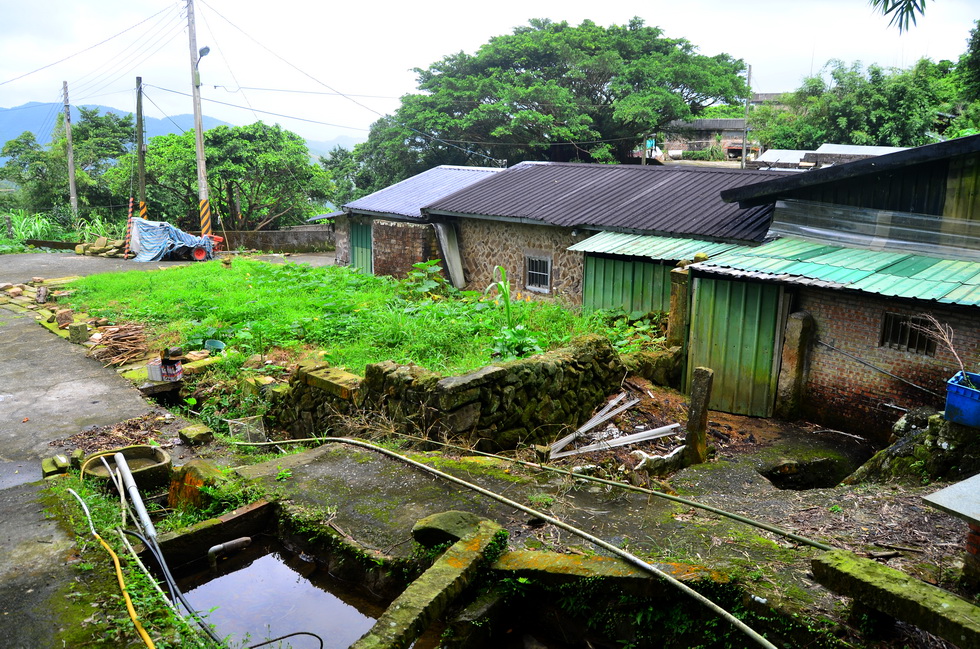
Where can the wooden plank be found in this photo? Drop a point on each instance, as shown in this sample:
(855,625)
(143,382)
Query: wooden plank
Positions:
(602,416)
(643,436)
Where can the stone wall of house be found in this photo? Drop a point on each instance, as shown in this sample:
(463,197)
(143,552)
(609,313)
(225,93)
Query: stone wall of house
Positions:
(844,393)
(487,244)
(398,245)
(341,235)
(533,400)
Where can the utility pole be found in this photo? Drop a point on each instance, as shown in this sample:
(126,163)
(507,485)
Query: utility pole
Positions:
(202,172)
(745,127)
(72,190)
(140,148)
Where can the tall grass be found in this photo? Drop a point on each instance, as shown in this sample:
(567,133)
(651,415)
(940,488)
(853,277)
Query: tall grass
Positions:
(59,226)
(357,319)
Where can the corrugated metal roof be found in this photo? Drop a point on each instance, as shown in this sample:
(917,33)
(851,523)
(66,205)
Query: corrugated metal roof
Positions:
(858,149)
(891,274)
(410,195)
(639,245)
(664,200)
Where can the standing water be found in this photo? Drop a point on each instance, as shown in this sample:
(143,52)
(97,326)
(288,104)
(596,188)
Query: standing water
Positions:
(267,591)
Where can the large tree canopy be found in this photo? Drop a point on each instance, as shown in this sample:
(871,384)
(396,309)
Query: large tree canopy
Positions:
(549,91)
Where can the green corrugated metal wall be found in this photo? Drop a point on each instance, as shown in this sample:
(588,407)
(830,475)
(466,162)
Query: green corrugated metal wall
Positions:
(963,189)
(360,247)
(734,331)
(628,284)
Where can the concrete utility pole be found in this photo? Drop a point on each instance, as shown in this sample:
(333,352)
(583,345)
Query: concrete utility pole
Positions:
(202,172)
(745,127)
(140,148)
(72,190)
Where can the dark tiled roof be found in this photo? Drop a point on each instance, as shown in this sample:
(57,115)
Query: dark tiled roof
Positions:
(766,192)
(407,197)
(672,200)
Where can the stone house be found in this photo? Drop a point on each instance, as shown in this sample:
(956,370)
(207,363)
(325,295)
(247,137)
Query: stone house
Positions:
(830,315)
(384,233)
(605,236)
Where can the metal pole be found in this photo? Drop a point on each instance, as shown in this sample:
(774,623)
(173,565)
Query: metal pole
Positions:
(72,190)
(202,173)
(745,127)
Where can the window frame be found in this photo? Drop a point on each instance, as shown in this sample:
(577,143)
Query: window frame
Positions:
(531,257)
(898,332)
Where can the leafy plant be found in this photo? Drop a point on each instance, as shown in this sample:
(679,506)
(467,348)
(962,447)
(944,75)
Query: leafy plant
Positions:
(426,280)
(514,340)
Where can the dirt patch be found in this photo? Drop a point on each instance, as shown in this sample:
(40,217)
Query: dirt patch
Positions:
(157,427)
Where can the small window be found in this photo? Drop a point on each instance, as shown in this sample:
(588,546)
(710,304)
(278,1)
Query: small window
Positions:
(538,276)
(906,333)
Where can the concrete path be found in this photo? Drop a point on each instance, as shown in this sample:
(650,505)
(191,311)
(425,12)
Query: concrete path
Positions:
(50,389)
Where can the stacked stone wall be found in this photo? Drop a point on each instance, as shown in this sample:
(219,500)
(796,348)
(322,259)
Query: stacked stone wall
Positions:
(844,393)
(529,401)
(342,240)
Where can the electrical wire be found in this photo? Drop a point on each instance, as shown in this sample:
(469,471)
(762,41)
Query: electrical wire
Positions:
(612,483)
(70,56)
(626,556)
(119,576)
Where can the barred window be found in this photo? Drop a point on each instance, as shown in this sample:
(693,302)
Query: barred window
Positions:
(905,333)
(538,275)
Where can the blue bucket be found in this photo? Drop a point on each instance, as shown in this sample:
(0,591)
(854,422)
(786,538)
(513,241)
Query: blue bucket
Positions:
(962,401)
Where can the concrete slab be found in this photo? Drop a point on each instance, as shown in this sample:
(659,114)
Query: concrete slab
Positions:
(961,500)
(50,390)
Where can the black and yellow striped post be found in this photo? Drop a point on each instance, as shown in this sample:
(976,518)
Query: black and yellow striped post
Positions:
(143,209)
(205,217)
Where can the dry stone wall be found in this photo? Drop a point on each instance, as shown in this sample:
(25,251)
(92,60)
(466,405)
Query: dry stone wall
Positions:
(497,407)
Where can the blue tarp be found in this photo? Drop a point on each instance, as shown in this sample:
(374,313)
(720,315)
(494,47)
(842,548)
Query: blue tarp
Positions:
(156,240)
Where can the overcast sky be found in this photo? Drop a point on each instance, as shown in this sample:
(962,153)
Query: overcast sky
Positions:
(289,57)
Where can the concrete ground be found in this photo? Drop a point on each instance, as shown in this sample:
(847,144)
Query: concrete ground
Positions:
(50,389)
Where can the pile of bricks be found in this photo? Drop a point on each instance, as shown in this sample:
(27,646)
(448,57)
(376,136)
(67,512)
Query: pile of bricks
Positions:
(102,247)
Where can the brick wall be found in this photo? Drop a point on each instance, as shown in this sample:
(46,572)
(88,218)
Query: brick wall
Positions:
(486,244)
(843,393)
(397,245)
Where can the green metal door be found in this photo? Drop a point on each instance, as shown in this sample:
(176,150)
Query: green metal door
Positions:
(628,284)
(736,331)
(360,247)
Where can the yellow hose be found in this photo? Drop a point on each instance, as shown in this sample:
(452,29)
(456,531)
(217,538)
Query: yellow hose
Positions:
(119,577)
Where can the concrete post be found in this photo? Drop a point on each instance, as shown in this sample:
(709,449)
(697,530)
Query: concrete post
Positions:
(697,417)
(679,317)
(797,342)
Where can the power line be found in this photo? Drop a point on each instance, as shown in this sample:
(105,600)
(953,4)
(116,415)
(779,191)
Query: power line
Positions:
(349,97)
(70,56)
(256,110)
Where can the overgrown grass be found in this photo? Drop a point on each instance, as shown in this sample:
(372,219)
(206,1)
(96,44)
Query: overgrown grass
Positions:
(357,319)
(58,226)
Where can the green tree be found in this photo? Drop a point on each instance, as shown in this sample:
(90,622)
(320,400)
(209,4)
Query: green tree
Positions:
(876,106)
(549,91)
(41,173)
(259,177)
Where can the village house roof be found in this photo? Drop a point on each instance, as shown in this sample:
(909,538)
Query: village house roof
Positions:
(663,200)
(406,198)
(886,273)
(770,190)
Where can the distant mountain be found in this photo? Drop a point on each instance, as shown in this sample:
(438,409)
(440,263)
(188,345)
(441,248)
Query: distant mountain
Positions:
(39,118)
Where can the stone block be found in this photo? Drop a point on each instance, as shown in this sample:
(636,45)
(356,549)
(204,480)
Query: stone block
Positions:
(335,381)
(256,385)
(51,466)
(81,248)
(897,594)
(77,332)
(64,317)
(196,435)
(187,480)
(101,242)
(198,367)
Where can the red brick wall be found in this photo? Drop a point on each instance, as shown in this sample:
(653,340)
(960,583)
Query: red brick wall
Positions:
(396,246)
(842,393)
